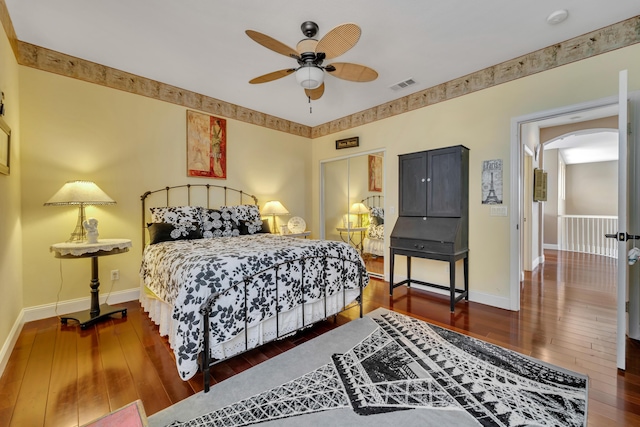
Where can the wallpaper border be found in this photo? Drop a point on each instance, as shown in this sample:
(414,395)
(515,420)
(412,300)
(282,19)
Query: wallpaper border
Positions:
(616,36)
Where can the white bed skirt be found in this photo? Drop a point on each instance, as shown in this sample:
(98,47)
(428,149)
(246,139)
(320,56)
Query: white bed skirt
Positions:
(289,322)
(373,246)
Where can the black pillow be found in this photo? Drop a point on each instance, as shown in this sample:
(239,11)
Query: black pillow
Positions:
(264,228)
(248,218)
(164,232)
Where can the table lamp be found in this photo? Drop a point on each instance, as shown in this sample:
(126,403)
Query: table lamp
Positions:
(274,208)
(359,209)
(80,193)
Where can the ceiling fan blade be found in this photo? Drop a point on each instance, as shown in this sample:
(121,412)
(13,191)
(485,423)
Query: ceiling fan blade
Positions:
(271,43)
(352,72)
(339,40)
(272,76)
(315,93)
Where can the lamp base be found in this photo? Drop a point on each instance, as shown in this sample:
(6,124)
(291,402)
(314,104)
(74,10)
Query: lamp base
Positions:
(79,234)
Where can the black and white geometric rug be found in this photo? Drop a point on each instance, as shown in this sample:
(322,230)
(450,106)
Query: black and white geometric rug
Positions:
(407,370)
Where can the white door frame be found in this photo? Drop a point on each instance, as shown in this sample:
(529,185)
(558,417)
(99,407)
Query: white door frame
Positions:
(516,196)
(527,211)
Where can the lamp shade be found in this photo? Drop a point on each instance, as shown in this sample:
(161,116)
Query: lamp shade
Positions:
(274,207)
(309,76)
(80,193)
(358,209)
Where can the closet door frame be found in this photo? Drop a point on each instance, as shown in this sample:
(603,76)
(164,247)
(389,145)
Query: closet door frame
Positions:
(347,157)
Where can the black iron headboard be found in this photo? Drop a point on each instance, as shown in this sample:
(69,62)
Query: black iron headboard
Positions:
(206,195)
(376,201)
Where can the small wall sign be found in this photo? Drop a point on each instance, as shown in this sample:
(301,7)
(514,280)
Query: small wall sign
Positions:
(347,142)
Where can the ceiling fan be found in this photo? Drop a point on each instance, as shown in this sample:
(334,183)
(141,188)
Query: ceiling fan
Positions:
(311,53)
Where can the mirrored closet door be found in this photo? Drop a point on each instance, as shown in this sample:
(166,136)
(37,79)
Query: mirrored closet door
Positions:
(353,205)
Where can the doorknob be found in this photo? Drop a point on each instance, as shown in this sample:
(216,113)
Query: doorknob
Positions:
(622,237)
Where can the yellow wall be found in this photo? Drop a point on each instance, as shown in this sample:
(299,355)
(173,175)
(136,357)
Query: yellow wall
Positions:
(481,121)
(11,301)
(127,144)
(592,188)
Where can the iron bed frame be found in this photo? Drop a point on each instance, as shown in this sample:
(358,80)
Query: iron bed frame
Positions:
(206,307)
(206,362)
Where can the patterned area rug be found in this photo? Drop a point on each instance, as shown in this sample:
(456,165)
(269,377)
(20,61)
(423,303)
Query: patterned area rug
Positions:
(402,371)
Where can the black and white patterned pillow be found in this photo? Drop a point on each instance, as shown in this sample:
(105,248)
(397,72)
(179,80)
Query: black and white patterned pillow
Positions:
(248,218)
(177,215)
(375,231)
(377,215)
(164,232)
(221,222)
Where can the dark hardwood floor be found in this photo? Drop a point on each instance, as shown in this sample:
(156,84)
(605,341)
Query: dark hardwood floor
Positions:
(63,376)
(374,263)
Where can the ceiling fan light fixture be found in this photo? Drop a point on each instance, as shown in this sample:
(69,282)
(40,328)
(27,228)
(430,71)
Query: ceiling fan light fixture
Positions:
(309,76)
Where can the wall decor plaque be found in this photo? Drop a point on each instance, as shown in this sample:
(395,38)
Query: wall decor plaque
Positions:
(347,142)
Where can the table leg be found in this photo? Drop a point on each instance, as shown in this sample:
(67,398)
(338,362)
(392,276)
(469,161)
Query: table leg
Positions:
(95,284)
(97,311)
(342,237)
(466,277)
(408,272)
(391,262)
(452,283)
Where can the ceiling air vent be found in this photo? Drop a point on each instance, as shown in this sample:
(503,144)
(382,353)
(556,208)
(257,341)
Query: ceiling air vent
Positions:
(403,84)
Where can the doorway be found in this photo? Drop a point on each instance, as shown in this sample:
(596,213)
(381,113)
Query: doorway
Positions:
(627,288)
(527,223)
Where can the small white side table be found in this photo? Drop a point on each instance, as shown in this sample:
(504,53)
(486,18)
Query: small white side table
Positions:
(350,232)
(92,250)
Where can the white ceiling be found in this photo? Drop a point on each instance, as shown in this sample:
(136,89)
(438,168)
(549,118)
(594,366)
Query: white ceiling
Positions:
(584,146)
(587,147)
(200,45)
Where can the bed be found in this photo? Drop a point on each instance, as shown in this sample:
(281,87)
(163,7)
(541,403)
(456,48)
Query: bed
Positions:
(373,242)
(217,285)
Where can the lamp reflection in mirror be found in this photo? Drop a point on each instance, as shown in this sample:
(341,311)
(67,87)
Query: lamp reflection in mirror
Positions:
(359,209)
(274,208)
(80,193)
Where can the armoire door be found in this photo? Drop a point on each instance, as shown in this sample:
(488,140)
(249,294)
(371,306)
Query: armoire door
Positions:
(413,184)
(445,177)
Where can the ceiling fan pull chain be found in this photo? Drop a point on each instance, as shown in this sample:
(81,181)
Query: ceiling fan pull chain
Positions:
(310,112)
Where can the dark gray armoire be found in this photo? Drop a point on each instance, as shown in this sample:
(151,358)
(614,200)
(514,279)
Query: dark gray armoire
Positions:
(433,220)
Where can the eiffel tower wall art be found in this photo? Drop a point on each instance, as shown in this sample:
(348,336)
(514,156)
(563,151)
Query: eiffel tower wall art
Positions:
(492,182)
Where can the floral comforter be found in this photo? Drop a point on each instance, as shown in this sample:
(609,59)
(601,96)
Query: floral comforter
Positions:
(184,273)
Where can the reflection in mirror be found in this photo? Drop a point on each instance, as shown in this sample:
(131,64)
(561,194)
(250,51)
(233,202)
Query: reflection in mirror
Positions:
(353,206)
(336,196)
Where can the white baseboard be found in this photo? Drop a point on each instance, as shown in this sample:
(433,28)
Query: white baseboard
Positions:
(492,300)
(537,262)
(10,342)
(49,310)
(479,297)
(552,246)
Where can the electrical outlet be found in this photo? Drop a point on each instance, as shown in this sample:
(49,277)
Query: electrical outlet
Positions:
(498,211)
(115,274)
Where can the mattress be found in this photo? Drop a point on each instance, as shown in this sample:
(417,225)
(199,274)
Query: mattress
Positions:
(179,276)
